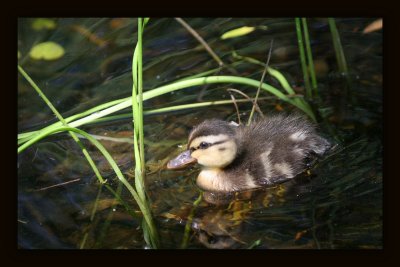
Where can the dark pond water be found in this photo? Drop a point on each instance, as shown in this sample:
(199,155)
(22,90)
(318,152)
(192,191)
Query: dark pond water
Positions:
(336,204)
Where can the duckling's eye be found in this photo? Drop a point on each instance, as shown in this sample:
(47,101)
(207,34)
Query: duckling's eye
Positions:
(204,145)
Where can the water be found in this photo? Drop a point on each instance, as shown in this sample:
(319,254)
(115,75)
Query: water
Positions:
(338,204)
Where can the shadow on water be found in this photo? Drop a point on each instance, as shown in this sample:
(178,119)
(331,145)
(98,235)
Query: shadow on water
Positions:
(337,203)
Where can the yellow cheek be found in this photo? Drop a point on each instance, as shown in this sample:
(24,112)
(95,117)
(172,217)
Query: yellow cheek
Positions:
(196,154)
(204,157)
(209,157)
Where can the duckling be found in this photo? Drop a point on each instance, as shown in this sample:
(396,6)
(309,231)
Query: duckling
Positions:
(236,158)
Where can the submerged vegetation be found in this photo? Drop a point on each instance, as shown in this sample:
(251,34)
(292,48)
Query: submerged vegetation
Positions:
(108,111)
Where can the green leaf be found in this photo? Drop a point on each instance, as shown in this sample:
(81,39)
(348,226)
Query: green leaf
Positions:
(43,24)
(237,32)
(19,54)
(47,51)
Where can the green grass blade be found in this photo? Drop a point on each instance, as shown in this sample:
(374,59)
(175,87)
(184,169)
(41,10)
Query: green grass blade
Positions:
(341,59)
(127,102)
(310,60)
(188,225)
(303,58)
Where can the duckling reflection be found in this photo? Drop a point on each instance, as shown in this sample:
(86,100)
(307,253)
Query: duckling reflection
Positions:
(220,227)
(227,226)
(236,158)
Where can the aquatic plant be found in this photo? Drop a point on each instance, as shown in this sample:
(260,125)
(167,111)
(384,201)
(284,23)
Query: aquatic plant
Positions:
(337,45)
(120,104)
(306,59)
(149,230)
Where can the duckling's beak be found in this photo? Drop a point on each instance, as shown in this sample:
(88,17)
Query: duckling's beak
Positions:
(181,161)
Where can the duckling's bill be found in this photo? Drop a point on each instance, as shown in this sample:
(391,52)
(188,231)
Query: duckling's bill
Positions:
(181,161)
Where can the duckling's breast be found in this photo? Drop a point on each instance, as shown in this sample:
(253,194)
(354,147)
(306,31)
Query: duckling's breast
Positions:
(225,181)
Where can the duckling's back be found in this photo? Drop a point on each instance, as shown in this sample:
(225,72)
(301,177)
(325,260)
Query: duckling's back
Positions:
(275,149)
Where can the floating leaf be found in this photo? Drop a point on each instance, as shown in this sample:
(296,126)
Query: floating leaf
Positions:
(374,26)
(237,32)
(47,51)
(43,24)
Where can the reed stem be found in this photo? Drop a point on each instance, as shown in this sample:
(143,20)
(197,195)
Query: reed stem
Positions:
(337,44)
(310,60)
(303,58)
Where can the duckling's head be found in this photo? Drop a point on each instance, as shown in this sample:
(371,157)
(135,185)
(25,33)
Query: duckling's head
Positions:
(212,144)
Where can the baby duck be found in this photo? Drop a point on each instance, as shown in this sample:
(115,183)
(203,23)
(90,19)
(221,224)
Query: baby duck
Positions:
(236,158)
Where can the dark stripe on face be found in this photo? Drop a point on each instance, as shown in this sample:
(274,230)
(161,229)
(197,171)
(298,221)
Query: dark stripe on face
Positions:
(209,145)
(219,142)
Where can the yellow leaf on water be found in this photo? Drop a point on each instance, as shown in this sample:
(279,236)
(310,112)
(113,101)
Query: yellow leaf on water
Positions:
(43,24)
(374,26)
(47,51)
(237,32)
